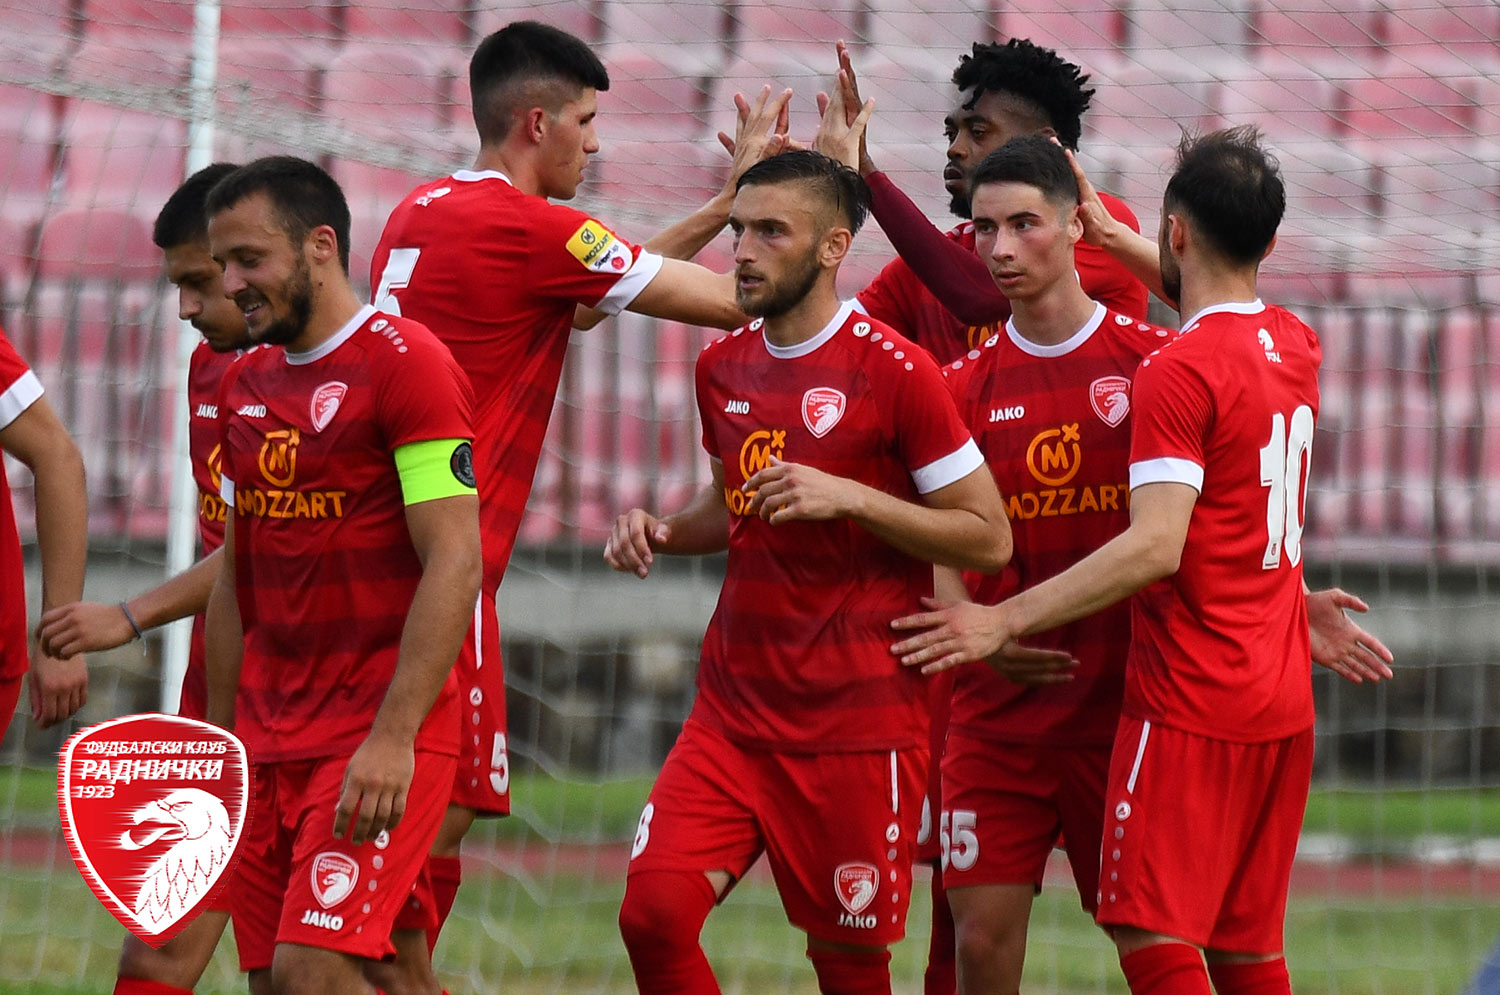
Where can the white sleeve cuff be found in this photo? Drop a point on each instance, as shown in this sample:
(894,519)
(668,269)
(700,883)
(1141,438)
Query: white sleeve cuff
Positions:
(628,287)
(951,468)
(1167,470)
(226,490)
(19,396)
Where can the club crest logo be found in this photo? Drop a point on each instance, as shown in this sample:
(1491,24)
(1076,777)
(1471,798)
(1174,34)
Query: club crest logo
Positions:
(153,808)
(822,407)
(325,403)
(334,876)
(856,885)
(1110,397)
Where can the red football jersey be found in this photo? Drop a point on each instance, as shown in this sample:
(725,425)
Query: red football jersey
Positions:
(324,563)
(900,299)
(1221,648)
(19,390)
(496,274)
(1053,422)
(797,656)
(206,370)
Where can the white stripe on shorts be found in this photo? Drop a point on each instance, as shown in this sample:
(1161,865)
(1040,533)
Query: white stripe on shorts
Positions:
(1140,751)
(479,631)
(895,791)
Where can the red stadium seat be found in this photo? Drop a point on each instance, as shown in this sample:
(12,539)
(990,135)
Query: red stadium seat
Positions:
(1089,32)
(1431,269)
(777,26)
(1489,448)
(159,19)
(372,192)
(255,76)
(1429,179)
(1148,107)
(1456,31)
(656,175)
(1305,267)
(37,35)
(1330,497)
(388,95)
(97,244)
(1291,103)
(1188,29)
(1327,188)
(1461,375)
(1414,424)
(308,22)
(648,98)
(692,36)
(141,65)
(28,152)
(944,29)
(579,17)
(1418,106)
(911,99)
(805,76)
(420,22)
(121,158)
(1333,34)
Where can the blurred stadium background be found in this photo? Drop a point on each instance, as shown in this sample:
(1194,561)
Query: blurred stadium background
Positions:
(1386,118)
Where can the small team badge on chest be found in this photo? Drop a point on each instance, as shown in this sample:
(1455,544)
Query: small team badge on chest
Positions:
(1110,397)
(325,403)
(822,407)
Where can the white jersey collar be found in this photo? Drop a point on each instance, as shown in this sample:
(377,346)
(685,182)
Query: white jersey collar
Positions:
(811,345)
(1230,307)
(338,338)
(1062,348)
(475,175)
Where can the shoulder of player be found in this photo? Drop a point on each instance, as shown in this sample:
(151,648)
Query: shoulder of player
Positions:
(1140,337)
(392,338)
(982,357)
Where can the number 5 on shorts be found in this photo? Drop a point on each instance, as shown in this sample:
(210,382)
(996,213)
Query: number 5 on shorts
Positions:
(499,765)
(959,841)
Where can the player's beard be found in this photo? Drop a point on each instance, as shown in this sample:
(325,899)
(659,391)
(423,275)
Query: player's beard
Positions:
(959,204)
(297,292)
(776,299)
(1171,276)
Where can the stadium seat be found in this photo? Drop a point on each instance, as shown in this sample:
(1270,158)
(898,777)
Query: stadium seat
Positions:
(776,26)
(259,79)
(1371,444)
(37,36)
(157,19)
(579,17)
(1330,497)
(97,244)
(1157,30)
(1339,36)
(373,192)
(1459,183)
(692,36)
(912,96)
(649,98)
(28,152)
(312,23)
(1147,107)
(1288,104)
(1328,188)
(391,97)
(1089,32)
(1421,32)
(1461,375)
(138,70)
(656,176)
(1305,267)
(1413,269)
(805,75)
(923,29)
(1489,468)
(419,22)
(1414,106)
(121,158)
(1412,479)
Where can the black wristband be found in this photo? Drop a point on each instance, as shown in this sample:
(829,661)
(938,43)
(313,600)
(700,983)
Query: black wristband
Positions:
(124,607)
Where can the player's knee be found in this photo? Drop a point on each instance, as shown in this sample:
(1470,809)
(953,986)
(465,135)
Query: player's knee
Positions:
(849,970)
(664,910)
(178,963)
(989,941)
(455,826)
(302,970)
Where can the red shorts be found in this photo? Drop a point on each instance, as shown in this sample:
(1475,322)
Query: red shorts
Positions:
(940,704)
(1200,834)
(483,778)
(298,883)
(838,829)
(1005,804)
(10,697)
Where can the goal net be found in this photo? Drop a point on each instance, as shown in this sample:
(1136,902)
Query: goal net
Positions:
(1386,119)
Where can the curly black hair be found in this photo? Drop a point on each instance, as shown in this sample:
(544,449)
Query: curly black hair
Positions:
(1039,76)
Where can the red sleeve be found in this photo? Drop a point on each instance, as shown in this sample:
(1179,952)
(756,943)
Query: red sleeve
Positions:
(952,272)
(1172,414)
(573,257)
(932,439)
(423,392)
(1105,278)
(19,387)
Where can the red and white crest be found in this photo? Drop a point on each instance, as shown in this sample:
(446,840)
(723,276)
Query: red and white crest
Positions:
(822,407)
(153,808)
(325,403)
(1110,397)
(856,885)
(334,876)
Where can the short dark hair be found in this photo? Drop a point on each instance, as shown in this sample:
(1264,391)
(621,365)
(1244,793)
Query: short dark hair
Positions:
(1230,187)
(303,197)
(1049,84)
(526,52)
(183,219)
(843,188)
(1035,160)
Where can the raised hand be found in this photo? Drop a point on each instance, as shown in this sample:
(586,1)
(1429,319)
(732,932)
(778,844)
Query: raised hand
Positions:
(760,133)
(1341,645)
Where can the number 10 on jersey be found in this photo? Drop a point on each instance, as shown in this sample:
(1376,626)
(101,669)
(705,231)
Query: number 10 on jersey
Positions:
(1284,464)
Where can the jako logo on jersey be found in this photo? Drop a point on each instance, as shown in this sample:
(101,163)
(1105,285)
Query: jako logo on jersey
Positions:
(432,195)
(1110,397)
(856,885)
(755,454)
(1008,414)
(278,456)
(822,407)
(737,408)
(322,920)
(598,249)
(207,411)
(1055,454)
(325,403)
(252,410)
(334,876)
(1269,345)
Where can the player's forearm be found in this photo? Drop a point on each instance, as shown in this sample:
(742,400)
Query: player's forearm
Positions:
(178,597)
(62,526)
(700,528)
(1130,562)
(442,609)
(224,647)
(952,537)
(685,291)
(1139,255)
(955,275)
(948,585)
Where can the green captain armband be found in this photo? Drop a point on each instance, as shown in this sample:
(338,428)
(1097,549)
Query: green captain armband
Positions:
(437,468)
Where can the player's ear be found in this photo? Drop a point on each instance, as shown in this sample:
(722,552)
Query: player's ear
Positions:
(535,123)
(1074,223)
(323,242)
(835,246)
(1177,234)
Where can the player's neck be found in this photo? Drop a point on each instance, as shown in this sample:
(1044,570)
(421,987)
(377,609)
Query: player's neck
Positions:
(1055,315)
(516,169)
(1208,287)
(335,308)
(809,317)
